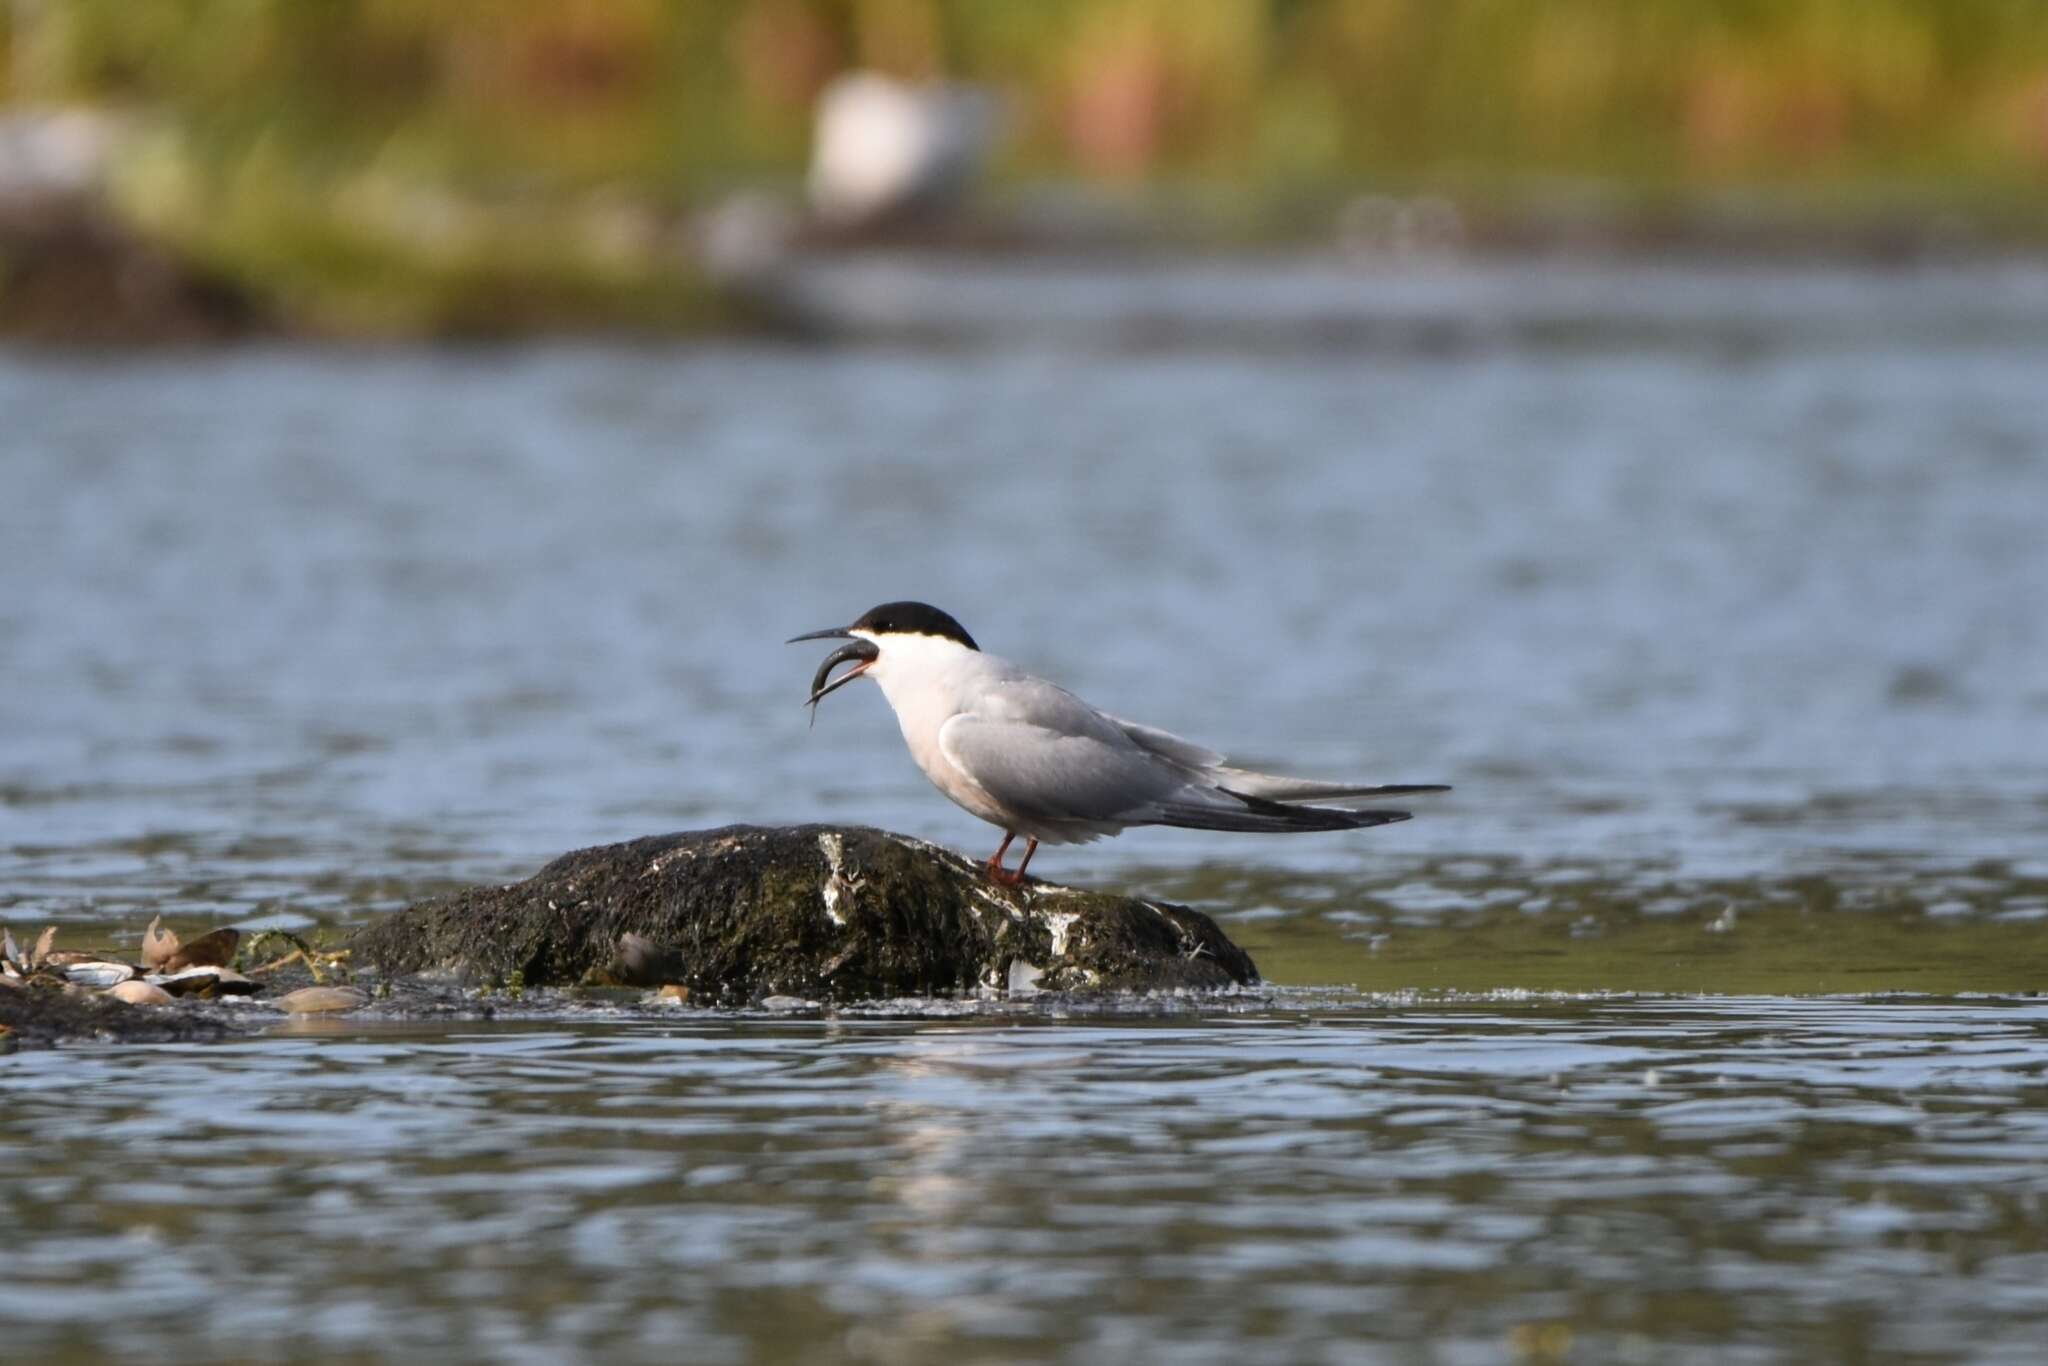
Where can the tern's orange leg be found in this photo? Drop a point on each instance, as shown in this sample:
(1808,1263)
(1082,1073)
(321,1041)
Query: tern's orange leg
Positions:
(996,871)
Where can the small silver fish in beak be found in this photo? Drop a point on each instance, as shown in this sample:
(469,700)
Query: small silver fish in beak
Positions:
(865,651)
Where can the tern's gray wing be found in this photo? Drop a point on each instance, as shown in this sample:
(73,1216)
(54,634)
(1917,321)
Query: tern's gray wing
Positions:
(1208,767)
(1169,746)
(1046,774)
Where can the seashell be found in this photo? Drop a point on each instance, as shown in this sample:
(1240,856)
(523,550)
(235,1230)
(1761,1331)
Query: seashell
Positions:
(139,994)
(158,944)
(208,950)
(97,973)
(323,1000)
(206,982)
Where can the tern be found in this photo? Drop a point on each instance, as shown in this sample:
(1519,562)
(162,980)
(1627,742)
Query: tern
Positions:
(1032,759)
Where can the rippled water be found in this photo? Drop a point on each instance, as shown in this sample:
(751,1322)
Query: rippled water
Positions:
(1703,1181)
(1716,594)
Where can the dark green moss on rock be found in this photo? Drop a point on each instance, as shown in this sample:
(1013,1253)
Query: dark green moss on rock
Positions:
(40,1016)
(839,913)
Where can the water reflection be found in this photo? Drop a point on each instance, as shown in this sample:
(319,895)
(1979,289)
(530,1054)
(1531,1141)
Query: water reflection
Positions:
(1308,1185)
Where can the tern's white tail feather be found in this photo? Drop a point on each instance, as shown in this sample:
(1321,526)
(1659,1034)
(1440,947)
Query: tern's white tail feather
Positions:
(1275,787)
(1272,787)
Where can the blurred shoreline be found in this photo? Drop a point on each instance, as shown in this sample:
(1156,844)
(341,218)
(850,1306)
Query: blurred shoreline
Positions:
(81,269)
(198,169)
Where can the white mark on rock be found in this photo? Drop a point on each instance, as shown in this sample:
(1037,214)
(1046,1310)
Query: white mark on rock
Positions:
(1001,903)
(1059,925)
(663,860)
(840,886)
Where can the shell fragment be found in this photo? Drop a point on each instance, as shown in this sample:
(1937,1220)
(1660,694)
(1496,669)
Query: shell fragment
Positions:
(98,974)
(323,1000)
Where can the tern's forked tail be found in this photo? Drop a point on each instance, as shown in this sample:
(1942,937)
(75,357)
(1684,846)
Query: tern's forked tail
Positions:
(1257,814)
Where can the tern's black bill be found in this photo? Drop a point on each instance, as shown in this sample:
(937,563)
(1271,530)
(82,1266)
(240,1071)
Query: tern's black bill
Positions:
(863,651)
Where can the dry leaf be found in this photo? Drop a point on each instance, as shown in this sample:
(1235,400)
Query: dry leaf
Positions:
(674,991)
(139,994)
(158,944)
(207,951)
(10,949)
(323,1000)
(43,942)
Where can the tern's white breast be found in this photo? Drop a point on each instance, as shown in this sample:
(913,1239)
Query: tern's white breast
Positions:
(928,682)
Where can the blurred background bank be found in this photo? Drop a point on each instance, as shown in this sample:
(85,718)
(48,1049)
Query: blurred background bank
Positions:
(363,167)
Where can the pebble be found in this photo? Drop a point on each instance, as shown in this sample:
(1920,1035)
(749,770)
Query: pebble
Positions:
(137,993)
(323,1000)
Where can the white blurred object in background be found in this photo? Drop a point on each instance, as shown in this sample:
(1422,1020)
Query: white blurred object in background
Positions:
(52,153)
(888,150)
(1375,228)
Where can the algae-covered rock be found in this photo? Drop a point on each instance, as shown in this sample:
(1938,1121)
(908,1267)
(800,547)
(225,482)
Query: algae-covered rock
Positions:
(39,1016)
(838,913)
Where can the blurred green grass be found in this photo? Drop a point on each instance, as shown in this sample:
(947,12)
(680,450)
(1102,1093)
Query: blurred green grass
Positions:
(1771,951)
(389,164)
(682,95)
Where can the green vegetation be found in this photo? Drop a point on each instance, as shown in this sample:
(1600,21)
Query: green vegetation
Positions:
(388,164)
(682,95)
(1766,951)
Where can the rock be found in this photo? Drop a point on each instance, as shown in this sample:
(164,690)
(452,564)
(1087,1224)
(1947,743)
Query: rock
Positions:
(830,913)
(41,1018)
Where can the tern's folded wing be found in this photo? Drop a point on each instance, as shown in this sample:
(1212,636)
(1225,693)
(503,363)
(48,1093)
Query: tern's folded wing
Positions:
(1048,775)
(1170,746)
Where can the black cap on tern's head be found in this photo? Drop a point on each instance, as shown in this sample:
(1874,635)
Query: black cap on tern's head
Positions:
(912,619)
(890,619)
(898,619)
